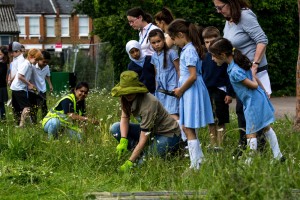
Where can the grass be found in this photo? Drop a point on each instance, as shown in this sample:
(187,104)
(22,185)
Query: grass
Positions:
(32,167)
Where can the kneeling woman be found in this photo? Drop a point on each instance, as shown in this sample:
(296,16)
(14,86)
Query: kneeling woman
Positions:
(157,132)
(67,113)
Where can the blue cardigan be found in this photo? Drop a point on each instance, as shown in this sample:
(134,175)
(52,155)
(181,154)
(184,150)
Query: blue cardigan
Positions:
(146,73)
(215,76)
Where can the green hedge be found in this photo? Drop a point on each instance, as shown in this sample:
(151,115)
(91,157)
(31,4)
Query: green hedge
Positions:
(278,18)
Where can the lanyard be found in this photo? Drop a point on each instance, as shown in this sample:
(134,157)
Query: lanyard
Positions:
(145,34)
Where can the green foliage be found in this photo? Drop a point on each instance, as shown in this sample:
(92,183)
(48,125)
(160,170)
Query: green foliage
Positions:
(55,63)
(278,18)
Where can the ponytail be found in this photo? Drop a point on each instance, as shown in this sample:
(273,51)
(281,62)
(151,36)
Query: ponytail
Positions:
(223,45)
(194,37)
(241,60)
(190,30)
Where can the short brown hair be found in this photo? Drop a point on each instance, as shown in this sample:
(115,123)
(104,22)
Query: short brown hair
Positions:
(35,53)
(210,32)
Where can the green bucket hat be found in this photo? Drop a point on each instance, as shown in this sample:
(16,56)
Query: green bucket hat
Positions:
(129,84)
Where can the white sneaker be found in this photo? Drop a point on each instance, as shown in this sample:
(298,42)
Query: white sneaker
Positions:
(248,161)
(8,104)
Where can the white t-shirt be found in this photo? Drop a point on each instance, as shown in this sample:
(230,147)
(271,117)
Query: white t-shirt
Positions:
(143,35)
(17,61)
(38,77)
(24,69)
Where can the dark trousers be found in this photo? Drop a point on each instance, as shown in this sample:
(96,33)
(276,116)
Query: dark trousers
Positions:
(2,111)
(37,101)
(261,140)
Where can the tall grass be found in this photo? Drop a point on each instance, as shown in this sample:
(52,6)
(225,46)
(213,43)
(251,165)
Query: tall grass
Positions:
(32,167)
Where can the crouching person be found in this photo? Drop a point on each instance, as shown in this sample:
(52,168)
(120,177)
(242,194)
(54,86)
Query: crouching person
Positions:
(68,113)
(157,133)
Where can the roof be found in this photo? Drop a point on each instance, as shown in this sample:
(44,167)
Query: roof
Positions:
(34,7)
(6,2)
(43,6)
(8,19)
(66,6)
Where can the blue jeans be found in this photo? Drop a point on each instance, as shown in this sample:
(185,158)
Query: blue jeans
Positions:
(53,126)
(158,145)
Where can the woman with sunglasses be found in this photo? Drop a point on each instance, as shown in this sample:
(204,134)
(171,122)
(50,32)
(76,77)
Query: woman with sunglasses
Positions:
(244,32)
(142,21)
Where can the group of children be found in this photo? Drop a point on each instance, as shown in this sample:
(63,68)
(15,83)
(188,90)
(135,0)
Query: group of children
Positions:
(197,87)
(26,78)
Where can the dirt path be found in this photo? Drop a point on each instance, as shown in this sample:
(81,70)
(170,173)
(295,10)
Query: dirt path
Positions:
(284,106)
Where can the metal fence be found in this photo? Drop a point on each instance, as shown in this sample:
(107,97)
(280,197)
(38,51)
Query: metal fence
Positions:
(93,65)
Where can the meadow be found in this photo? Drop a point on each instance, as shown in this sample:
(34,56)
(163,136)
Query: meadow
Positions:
(33,167)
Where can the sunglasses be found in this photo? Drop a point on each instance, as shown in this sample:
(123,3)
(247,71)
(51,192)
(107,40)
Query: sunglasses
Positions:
(219,8)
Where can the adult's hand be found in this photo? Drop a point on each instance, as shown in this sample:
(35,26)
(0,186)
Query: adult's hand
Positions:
(122,147)
(127,166)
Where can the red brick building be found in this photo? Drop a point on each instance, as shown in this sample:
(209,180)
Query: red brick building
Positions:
(47,24)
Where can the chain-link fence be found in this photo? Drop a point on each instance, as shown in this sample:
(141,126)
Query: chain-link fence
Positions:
(92,64)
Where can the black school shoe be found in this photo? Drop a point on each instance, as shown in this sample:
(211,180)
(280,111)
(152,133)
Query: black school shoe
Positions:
(282,159)
(183,148)
(238,152)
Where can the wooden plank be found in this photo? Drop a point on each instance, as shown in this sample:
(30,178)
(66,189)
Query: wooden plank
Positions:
(147,195)
(156,195)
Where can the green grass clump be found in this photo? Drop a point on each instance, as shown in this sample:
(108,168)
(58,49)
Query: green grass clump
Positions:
(33,167)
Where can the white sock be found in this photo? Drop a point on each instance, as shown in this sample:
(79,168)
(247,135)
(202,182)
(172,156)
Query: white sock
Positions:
(183,136)
(195,152)
(201,152)
(252,143)
(272,138)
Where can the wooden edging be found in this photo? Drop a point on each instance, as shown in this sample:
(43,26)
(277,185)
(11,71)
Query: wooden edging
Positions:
(155,195)
(145,195)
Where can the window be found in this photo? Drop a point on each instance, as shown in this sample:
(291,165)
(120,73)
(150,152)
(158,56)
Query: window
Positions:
(65,32)
(83,26)
(4,40)
(21,21)
(34,26)
(50,29)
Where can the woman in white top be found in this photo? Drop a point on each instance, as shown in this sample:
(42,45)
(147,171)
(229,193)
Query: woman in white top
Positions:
(139,20)
(162,19)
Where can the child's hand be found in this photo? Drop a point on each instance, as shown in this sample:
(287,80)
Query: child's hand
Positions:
(31,87)
(178,93)
(228,99)
(95,122)
(254,70)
